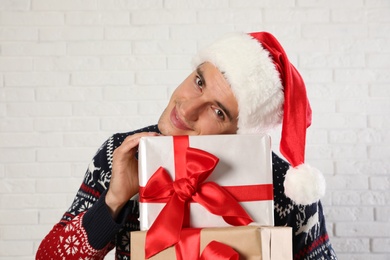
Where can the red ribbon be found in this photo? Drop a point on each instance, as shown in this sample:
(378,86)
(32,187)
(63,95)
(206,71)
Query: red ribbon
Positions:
(218,251)
(189,246)
(195,167)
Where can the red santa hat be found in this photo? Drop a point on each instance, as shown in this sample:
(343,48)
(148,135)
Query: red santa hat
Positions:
(269,91)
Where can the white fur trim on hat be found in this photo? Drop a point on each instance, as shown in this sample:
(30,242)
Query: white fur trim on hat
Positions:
(304,184)
(253,78)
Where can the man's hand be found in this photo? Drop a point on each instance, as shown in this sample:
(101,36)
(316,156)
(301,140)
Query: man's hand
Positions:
(124,179)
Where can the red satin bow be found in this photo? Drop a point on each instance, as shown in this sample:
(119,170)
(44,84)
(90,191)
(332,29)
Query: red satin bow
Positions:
(165,231)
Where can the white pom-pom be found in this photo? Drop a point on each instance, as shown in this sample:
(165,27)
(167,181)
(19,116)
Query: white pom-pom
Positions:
(304,184)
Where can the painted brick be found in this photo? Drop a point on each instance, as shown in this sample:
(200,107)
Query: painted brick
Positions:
(350,15)
(339,120)
(380,183)
(17,95)
(160,16)
(368,136)
(330,4)
(302,15)
(188,4)
(64,5)
(102,78)
(33,49)
(351,245)
(36,79)
(126,93)
(359,229)
(225,16)
(382,214)
(84,139)
(97,18)
(44,186)
(19,217)
(127,123)
(375,197)
(39,109)
(50,216)
(17,186)
(93,48)
(138,62)
(15,64)
(343,213)
(348,182)
(333,60)
(64,155)
(363,167)
(129,4)
(8,34)
(76,63)
(33,201)
(16,125)
(37,170)
(15,5)
(30,139)
(334,30)
(379,90)
(71,34)
(151,107)
(67,124)
(381,245)
(257,4)
(15,249)
(344,198)
(32,18)
(105,108)
(379,152)
(161,77)
(153,32)
(17,155)
(68,94)
(164,47)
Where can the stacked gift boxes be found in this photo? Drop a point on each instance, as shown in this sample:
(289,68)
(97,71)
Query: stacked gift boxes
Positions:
(197,190)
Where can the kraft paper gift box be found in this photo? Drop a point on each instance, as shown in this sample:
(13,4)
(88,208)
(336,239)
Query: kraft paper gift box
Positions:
(244,170)
(250,242)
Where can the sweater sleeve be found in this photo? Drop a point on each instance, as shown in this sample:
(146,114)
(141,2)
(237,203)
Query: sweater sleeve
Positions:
(87,230)
(310,238)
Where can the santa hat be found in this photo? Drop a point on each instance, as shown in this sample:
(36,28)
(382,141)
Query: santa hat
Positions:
(269,91)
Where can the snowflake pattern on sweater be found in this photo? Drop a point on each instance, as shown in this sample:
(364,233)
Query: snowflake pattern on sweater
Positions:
(87,231)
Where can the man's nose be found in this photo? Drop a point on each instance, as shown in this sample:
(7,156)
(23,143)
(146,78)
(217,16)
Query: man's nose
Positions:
(191,108)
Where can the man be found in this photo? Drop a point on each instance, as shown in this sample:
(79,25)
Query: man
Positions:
(242,83)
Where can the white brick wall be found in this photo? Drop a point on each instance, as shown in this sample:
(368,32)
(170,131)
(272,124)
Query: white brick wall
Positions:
(73,72)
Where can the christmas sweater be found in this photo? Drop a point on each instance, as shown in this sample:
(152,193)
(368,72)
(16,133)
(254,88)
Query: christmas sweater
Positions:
(87,230)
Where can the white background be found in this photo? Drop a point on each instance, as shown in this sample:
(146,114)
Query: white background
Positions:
(74,72)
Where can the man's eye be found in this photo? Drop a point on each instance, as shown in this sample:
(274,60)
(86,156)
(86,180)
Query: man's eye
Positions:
(219,113)
(199,82)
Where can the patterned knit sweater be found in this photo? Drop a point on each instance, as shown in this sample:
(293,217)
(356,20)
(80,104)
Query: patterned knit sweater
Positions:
(87,230)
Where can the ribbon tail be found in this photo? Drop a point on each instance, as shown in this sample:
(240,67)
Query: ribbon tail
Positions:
(165,230)
(219,202)
(218,251)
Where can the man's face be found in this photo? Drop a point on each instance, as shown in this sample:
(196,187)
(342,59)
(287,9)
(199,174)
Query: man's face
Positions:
(203,104)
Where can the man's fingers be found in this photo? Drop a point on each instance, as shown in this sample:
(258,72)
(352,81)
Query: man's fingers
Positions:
(132,141)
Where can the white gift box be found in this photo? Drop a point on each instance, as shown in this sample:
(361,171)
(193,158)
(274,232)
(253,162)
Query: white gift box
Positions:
(243,160)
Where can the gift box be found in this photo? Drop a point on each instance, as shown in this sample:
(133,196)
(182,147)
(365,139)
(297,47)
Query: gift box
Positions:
(249,242)
(243,169)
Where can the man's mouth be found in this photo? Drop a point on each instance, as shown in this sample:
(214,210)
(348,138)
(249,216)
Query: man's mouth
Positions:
(177,122)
